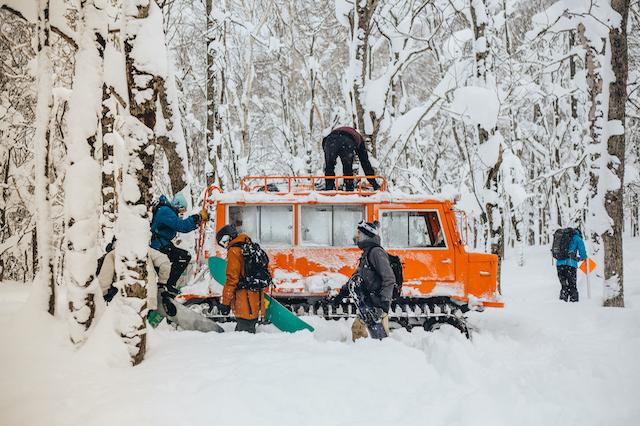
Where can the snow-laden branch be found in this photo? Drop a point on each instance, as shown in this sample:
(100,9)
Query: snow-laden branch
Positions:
(65,34)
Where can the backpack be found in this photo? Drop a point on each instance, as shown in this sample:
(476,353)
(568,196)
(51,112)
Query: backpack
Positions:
(560,246)
(154,226)
(396,267)
(257,276)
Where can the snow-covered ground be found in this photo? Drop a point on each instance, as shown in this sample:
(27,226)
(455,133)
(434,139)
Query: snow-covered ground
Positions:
(536,362)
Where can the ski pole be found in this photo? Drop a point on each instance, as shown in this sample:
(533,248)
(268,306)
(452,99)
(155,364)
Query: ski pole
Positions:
(588,280)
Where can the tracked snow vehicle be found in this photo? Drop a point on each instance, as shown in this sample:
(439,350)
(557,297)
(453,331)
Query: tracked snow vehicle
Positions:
(308,237)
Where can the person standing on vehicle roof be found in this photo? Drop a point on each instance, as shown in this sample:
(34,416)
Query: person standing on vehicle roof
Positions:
(166,223)
(568,248)
(345,142)
(246,303)
(378,278)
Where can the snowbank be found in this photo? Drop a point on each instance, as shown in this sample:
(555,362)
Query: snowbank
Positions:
(538,361)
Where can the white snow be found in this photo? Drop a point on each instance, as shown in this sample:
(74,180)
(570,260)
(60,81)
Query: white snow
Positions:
(452,48)
(490,150)
(233,197)
(537,361)
(476,105)
(149,41)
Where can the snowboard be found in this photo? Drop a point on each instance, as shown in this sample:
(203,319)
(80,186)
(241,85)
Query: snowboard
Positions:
(368,313)
(275,312)
(184,317)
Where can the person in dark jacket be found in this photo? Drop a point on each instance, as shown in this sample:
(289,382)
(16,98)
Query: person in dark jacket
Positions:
(165,225)
(345,142)
(568,268)
(378,277)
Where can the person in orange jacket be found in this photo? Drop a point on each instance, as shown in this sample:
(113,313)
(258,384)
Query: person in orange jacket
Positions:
(246,304)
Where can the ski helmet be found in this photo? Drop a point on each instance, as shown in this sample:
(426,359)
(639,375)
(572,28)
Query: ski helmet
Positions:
(226,234)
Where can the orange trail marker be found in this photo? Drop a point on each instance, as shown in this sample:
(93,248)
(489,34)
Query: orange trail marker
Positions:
(583,265)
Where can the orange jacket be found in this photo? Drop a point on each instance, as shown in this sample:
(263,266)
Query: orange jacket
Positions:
(245,303)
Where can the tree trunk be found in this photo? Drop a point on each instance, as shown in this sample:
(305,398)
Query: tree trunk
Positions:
(215,36)
(83,179)
(614,197)
(172,141)
(493,215)
(114,103)
(42,144)
(136,180)
(572,74)
(361,26)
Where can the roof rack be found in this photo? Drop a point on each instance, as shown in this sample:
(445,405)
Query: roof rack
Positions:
(307,184)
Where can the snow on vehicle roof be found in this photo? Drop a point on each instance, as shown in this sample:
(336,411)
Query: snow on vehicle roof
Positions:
(329,197)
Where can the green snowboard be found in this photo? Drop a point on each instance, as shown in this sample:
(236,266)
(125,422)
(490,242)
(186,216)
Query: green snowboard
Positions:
(275,312)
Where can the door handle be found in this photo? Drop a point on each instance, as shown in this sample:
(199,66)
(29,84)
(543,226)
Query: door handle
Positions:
(446,261)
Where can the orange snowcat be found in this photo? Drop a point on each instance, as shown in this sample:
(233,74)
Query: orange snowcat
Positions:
(308,235)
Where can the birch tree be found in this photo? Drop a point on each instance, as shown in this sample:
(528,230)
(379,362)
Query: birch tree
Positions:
(42,140)
(140,128)
(615,151)
(216,44)
(83,179)
(114,104)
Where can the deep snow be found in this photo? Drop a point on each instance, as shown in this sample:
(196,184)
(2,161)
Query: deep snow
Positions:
(536,362)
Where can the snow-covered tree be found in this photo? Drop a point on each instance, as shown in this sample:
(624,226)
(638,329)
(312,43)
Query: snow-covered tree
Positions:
(601,29)
(83,179)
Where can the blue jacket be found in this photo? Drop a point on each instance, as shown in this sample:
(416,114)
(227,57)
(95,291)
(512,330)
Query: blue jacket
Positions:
(166,224)
(576,245)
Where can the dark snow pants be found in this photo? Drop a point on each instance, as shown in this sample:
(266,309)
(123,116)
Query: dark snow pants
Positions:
(334,146)
(246,325)
(568,287)
(179,261)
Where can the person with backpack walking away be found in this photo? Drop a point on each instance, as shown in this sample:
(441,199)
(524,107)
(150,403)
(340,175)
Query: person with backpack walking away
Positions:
(376,277)
(568,249)
(248,277)
(166,223)
(345,142)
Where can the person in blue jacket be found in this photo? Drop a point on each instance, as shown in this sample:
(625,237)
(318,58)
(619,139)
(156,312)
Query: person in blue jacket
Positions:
(567,268)
(165,225)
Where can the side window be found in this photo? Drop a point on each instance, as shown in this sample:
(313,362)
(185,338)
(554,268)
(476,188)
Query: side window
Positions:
(276,225)
(316,223)
(412,229)
(270,225)
(345,221)
(245,218)
(395,229)
(329,225)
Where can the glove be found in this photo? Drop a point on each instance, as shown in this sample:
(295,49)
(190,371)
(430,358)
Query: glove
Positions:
(224,309)
(109,295)
(204,215)
(385,307)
